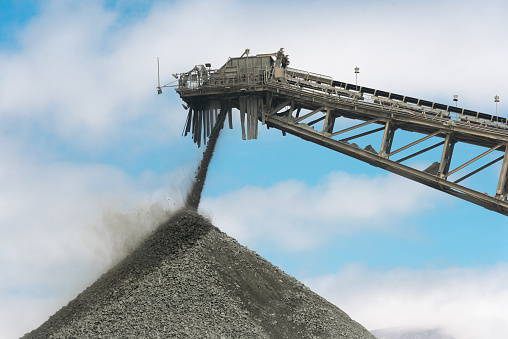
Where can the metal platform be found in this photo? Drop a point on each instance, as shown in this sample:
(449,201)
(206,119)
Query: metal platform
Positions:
(265,90)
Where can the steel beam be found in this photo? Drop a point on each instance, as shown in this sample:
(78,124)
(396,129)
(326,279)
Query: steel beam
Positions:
(308,114)
(430,180)
(502,186)
(363,134)
(355,127)
(421,152)
(315,95)
(446,157)
(386,143)
(297,115)
(329,122)
(479,169)
(413,143)
(290,114)
(473,160)
(277,108)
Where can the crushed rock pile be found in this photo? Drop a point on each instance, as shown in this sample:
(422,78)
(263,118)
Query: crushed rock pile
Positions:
(190,280)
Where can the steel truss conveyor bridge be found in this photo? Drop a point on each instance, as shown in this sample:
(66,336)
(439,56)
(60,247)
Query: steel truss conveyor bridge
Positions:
(265,90)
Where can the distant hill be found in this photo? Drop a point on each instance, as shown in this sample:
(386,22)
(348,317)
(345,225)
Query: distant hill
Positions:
(190,280)
(410,333)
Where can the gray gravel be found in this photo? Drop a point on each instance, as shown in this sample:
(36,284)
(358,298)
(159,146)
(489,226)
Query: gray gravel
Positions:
(190,280)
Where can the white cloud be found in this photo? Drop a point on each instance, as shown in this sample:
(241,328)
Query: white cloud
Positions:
(468,303)
(64,224)
(297,216)
(83,73)
(83,76)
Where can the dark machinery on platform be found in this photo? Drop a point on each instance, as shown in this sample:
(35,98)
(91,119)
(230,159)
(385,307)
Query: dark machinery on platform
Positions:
(264,89)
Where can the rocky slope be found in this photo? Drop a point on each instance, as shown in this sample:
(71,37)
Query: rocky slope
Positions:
(190,280)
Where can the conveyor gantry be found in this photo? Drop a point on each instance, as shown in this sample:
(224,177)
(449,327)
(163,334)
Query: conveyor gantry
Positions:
(265,90)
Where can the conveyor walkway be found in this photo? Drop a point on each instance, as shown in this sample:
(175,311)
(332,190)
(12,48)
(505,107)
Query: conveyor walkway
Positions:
(307,105)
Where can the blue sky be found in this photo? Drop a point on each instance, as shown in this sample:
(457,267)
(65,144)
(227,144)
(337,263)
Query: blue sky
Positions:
(91,159)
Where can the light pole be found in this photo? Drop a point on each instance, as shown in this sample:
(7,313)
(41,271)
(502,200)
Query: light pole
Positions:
(456,99)
(496,100)
(357,70)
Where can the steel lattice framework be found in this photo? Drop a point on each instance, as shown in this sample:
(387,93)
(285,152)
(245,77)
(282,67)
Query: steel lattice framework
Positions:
(265,90)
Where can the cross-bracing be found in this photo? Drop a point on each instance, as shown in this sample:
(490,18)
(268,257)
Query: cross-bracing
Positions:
(312,106)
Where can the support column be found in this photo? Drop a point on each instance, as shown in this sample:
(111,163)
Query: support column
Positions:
(502,186)
(291,109)
(386,144)
(329,122)
(243,110)
(446,157)
(267,106)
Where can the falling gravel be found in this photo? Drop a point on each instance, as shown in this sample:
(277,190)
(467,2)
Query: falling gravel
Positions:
(194,196)
(190,280)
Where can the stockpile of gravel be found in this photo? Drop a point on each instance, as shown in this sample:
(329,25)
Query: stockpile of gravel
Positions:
(190,280)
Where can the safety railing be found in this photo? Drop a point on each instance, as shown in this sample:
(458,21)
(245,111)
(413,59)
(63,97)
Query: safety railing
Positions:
(222,79)
(322,85)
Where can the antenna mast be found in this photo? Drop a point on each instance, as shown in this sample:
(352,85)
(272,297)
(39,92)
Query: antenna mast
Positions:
(159,89)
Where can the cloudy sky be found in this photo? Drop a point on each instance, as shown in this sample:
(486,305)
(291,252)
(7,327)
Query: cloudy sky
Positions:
(92,159)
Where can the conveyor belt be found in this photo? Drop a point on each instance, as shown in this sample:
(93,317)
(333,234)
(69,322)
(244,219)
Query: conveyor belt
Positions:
(297,74)
(296,102)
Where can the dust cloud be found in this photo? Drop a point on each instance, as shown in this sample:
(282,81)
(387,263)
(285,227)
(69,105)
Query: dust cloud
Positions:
(121,231)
